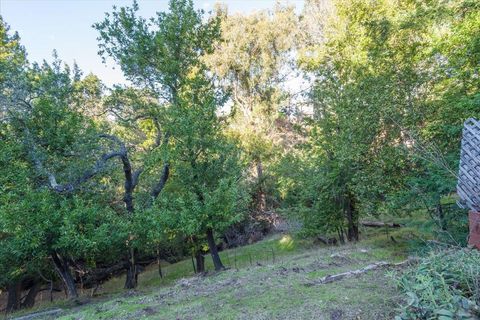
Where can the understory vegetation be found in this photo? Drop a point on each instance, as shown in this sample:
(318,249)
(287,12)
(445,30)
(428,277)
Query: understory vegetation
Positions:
(309,127)
(444,286)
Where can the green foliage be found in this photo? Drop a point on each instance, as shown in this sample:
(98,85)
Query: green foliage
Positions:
(159,53)
(207,190)
(444,285)
(392,88)
(12,58)
(253,60)
(173,109)
(48,140)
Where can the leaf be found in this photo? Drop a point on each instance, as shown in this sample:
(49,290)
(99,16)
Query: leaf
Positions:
(445,312)
(413,299)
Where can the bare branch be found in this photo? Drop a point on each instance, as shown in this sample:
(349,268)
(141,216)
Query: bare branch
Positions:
(87,175)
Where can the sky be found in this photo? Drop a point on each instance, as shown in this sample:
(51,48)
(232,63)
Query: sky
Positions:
(66,25)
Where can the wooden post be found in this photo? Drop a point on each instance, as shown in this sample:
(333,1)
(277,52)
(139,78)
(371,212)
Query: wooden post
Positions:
(159,263)
(474,228)
(228,258)
(235,257)
(193,264)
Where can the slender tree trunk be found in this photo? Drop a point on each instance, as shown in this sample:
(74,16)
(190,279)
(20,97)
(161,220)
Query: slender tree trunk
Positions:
(441,217)
(261,197)
(341,236)
(213,251)
(132,274)
(193,265)
(159,263)
(29,301)
(63,270)
(352,219)
(50,290)
(200,261)
(14,295)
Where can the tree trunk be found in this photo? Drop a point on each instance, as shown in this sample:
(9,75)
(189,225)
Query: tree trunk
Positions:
(261,197)
(132,275)
(162,181)
(352,219)
(29,301)
(63,270)
(341,236)
(14,295)
(159,264)
(200,261)
(50,290)
(441,217)
(193,265)
(213,251)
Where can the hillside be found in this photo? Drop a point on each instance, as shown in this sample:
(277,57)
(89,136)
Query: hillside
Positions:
(283,288)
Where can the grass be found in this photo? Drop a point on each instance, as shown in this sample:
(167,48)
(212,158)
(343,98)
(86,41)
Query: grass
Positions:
(270,250)
(265,280)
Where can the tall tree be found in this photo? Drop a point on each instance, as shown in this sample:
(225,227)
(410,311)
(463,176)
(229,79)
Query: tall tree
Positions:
(59,156)
(162,58)
(207,193)
(254,61)
(383,78)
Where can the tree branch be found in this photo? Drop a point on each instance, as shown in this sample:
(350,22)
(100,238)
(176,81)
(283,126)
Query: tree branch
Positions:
(164,176)
(131,179)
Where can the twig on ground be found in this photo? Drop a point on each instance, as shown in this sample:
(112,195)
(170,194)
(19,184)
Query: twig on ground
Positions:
(39,315)
(340,276)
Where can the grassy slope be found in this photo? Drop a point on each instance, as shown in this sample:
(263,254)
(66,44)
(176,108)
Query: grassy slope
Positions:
(264,289)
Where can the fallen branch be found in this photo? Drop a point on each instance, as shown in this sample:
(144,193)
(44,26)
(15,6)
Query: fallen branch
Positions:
(379,224)
(439,243)
(40,315)
(348,274)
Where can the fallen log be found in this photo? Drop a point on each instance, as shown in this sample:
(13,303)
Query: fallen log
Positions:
(348,274)
(379,224)
(91,278)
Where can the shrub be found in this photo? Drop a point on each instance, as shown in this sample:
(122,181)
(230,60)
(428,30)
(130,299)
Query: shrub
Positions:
(444,285)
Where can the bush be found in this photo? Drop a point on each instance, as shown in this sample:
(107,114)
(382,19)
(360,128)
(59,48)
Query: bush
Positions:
(444,285)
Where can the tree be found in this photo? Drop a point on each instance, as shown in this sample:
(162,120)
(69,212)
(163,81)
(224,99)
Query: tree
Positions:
(381,100)
(162,58)
(361,99)
(59,156)
(206,196)
(254,60)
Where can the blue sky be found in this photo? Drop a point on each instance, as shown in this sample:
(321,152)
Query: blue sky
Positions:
(65,25)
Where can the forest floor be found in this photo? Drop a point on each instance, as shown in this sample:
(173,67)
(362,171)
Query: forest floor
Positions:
(271,279)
